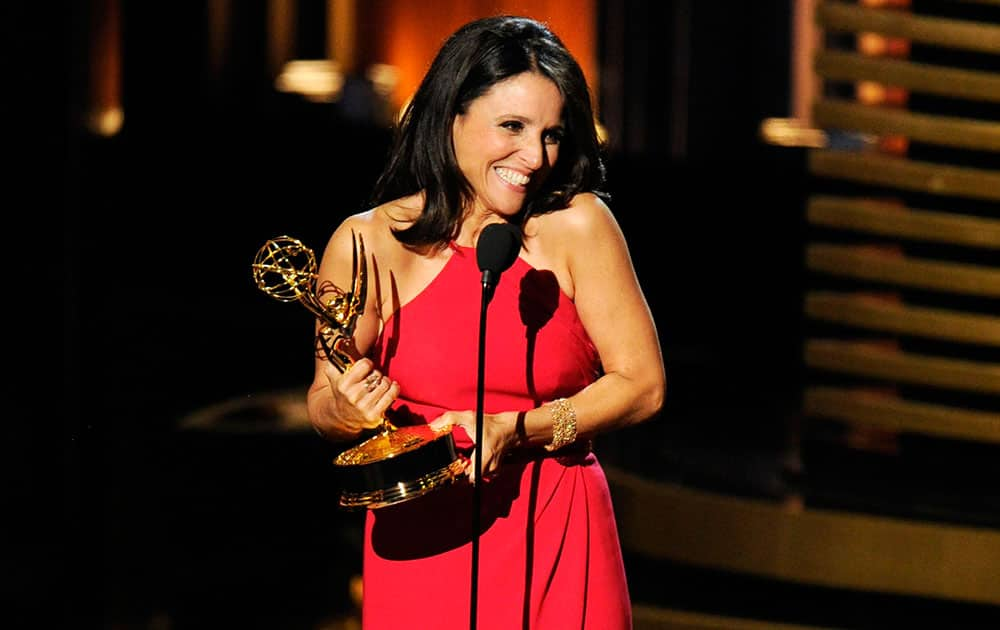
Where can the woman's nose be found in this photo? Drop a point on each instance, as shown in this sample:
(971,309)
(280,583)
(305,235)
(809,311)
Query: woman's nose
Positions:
(533,154)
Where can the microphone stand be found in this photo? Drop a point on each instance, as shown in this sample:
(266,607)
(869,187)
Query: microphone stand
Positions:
(496,251)
(477,490)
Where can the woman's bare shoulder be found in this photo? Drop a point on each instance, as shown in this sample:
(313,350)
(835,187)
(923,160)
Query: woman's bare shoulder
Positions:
(586,212)
(585,218)
(376,225)
(554,240)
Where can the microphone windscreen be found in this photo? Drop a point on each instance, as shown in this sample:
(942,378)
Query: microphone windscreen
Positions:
(497,248)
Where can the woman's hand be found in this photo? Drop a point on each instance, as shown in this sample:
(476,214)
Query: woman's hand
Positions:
(360,396)
(499,436)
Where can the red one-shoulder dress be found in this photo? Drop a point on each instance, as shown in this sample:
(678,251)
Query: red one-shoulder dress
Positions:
(549,552)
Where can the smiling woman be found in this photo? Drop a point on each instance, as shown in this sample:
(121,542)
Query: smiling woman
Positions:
(500,131)
(507,140)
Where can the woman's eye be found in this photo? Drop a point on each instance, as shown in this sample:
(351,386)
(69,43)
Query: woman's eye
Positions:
(513,125)
(553,137)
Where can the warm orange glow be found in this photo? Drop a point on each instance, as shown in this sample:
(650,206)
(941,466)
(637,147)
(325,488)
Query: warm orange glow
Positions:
(878,94)
(894,145)
(407,35)
(104,114)
(886,4)
(872,93)
(318,80)
(806,86)
(881,46)
(791,132)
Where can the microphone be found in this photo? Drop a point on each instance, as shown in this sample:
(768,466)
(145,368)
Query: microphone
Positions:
(496,251)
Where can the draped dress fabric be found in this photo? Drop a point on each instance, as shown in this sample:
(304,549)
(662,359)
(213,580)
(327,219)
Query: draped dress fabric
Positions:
(549,554)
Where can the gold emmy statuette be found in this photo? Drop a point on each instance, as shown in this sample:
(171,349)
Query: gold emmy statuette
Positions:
(397,463)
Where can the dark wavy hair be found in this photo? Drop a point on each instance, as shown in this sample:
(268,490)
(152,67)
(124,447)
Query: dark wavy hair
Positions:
(477,56)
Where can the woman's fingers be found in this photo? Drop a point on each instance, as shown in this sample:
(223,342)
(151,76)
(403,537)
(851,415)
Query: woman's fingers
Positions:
(365,393)
(384,394)
(377,389)
(490,462)
(373,381)
(363,383)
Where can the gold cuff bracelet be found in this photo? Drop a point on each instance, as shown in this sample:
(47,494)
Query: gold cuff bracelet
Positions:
(563,424)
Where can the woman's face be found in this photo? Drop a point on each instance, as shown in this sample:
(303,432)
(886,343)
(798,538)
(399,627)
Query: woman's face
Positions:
(508,140)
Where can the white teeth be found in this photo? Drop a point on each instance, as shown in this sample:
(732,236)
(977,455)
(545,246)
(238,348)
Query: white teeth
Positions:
(512,177)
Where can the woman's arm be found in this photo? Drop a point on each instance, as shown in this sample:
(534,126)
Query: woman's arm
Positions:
(614,311)
(341,405)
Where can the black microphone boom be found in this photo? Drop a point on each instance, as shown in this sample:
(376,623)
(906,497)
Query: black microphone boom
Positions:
(496,251)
